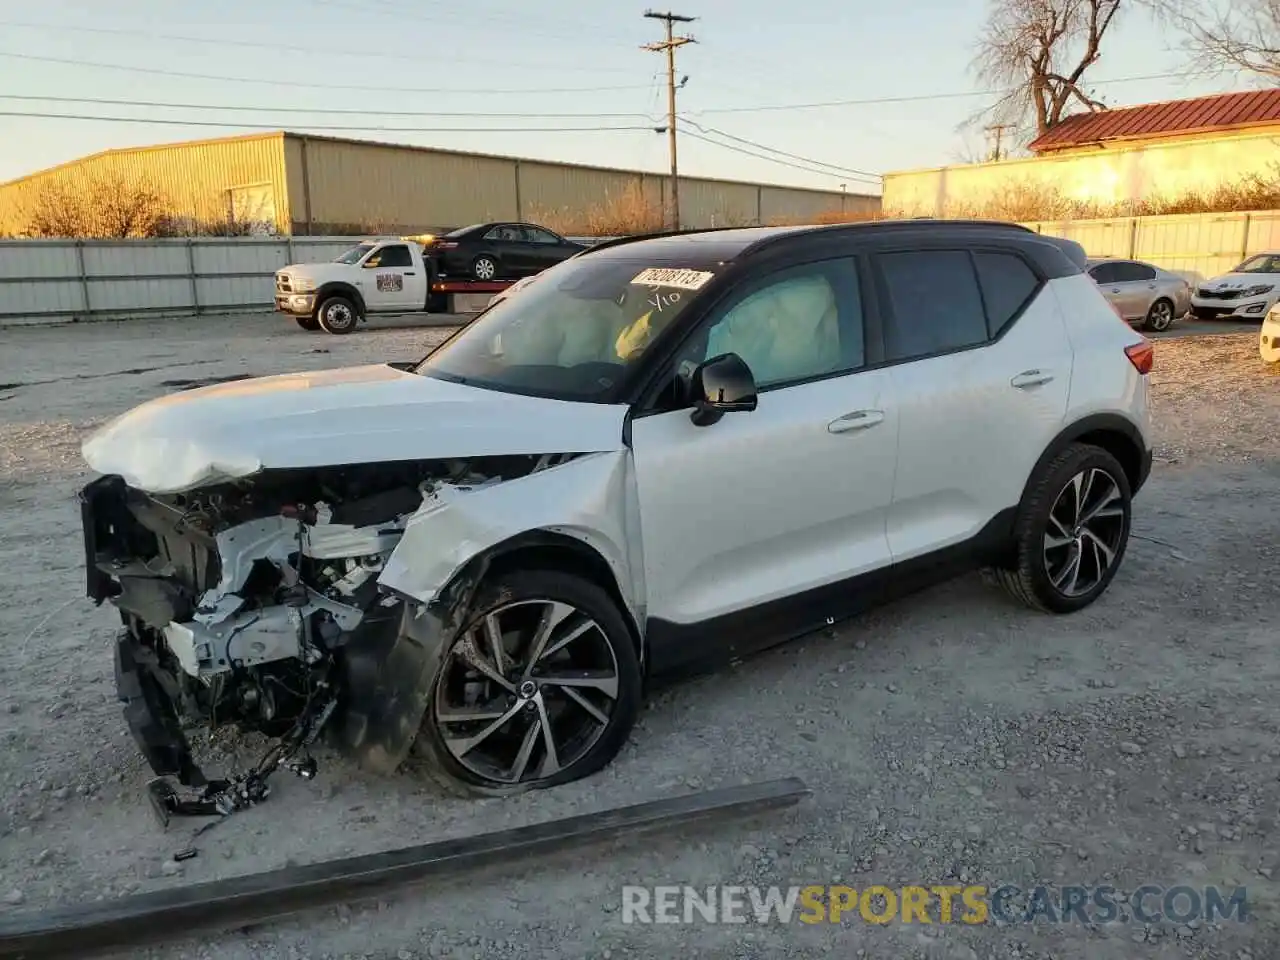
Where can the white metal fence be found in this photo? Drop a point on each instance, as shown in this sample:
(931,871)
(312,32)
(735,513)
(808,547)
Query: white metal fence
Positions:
(103,279)
(57,279)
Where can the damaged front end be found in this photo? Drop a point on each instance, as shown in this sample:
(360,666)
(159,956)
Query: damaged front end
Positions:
(256,603)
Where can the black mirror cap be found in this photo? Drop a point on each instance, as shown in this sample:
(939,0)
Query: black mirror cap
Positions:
(722,384)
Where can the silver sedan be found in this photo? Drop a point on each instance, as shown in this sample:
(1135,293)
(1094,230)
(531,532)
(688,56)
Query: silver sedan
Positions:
(1141,292)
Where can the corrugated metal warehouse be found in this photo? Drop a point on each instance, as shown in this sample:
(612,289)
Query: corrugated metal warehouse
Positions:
(306,185)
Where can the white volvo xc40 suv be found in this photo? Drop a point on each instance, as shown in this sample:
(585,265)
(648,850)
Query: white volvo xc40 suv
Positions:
(666,452)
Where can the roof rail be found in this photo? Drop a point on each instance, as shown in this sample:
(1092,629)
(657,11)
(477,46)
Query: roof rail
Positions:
(634,238)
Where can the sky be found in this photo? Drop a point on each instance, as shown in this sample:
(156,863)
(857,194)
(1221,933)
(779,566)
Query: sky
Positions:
(430,67)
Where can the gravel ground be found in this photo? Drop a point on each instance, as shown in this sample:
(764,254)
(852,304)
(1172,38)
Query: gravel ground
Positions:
(949,738)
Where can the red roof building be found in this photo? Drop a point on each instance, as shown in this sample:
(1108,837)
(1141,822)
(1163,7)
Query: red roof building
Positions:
(1173,119)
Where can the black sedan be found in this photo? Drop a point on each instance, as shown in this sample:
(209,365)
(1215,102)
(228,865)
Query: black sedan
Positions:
(498,251)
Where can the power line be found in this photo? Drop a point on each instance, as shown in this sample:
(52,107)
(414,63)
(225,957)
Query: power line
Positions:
(277,47)
(156,104)
(232,124)
(372,88)
(843,171)
(762,156)
(867,101)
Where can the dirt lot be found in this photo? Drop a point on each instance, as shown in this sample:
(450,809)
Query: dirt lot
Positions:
(952,738)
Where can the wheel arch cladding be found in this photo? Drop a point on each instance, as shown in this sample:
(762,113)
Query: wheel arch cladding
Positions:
(1113,433)
(342,289)
(551,551)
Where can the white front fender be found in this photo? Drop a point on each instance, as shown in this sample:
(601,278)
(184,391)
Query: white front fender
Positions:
(591,499)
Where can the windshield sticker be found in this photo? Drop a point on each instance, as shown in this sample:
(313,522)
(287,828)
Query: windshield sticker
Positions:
(666,277)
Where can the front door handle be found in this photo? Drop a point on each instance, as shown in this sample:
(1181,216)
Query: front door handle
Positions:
(410,273)
(1031,378)
(858,420)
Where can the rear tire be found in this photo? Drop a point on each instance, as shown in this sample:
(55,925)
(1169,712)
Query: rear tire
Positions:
(337,315)
(308,323)
(590,644)
(1159,317)
(1071,532)
(485,268)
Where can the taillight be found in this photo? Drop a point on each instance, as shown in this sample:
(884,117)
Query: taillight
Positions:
(1141,355)
(444,245)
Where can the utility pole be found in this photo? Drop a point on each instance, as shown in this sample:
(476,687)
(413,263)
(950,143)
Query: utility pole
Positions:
(669,46)
(998,129)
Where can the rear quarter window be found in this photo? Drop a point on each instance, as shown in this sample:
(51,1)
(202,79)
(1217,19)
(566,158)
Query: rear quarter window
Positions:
(1008,285)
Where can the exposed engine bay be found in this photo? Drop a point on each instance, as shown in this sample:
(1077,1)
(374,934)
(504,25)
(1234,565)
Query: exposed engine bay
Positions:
(256,604)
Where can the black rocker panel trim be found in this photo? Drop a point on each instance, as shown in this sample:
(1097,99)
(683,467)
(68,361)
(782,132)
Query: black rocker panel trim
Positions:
(677,650)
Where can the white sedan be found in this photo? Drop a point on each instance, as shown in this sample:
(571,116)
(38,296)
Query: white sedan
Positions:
(1246,293)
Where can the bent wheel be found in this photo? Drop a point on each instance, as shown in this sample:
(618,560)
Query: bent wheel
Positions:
(1071,532)
(541,687)
(337,315)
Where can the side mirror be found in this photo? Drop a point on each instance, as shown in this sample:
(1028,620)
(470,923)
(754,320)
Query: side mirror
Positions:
(721,385)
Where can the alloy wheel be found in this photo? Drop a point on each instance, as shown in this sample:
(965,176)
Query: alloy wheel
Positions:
(1161,316)
(526,691)
(1084,533)
(485,269)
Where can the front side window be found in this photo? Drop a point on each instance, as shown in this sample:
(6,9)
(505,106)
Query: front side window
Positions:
(393,256)
(1103,273)
(538,235)
(935,303)
(575,333)
(799,324)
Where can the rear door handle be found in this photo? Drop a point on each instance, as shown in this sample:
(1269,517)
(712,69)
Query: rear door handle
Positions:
(858,420)
(1031,378)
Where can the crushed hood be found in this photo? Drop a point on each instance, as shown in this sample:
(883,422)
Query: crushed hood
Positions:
(364,414)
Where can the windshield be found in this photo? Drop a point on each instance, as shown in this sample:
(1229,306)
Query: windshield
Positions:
(573,334)
(1263,263)
(354,254)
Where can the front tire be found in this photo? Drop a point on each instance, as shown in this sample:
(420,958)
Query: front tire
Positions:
(337,315)
(1159,317)
(1071,532)
(541,687)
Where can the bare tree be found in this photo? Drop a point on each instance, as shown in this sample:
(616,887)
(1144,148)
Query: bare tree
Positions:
(1040,50)
(97,206)
(1228,37)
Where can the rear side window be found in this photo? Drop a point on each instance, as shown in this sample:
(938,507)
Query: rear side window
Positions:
(935,301)
(1008,284)
(1133,273)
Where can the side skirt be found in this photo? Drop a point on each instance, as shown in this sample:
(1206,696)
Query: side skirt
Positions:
(678,650)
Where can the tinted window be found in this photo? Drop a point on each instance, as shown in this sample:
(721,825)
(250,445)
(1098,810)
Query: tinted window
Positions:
(1007,285)
(397,256)
(1104,273)
(1133,272)
(935,303)
(506,233)
(538,235)
(800,323)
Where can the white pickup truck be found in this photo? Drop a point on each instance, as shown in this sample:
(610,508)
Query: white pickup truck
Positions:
(381,275)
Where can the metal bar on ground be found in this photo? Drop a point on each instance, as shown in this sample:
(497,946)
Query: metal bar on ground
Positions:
(179,913)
